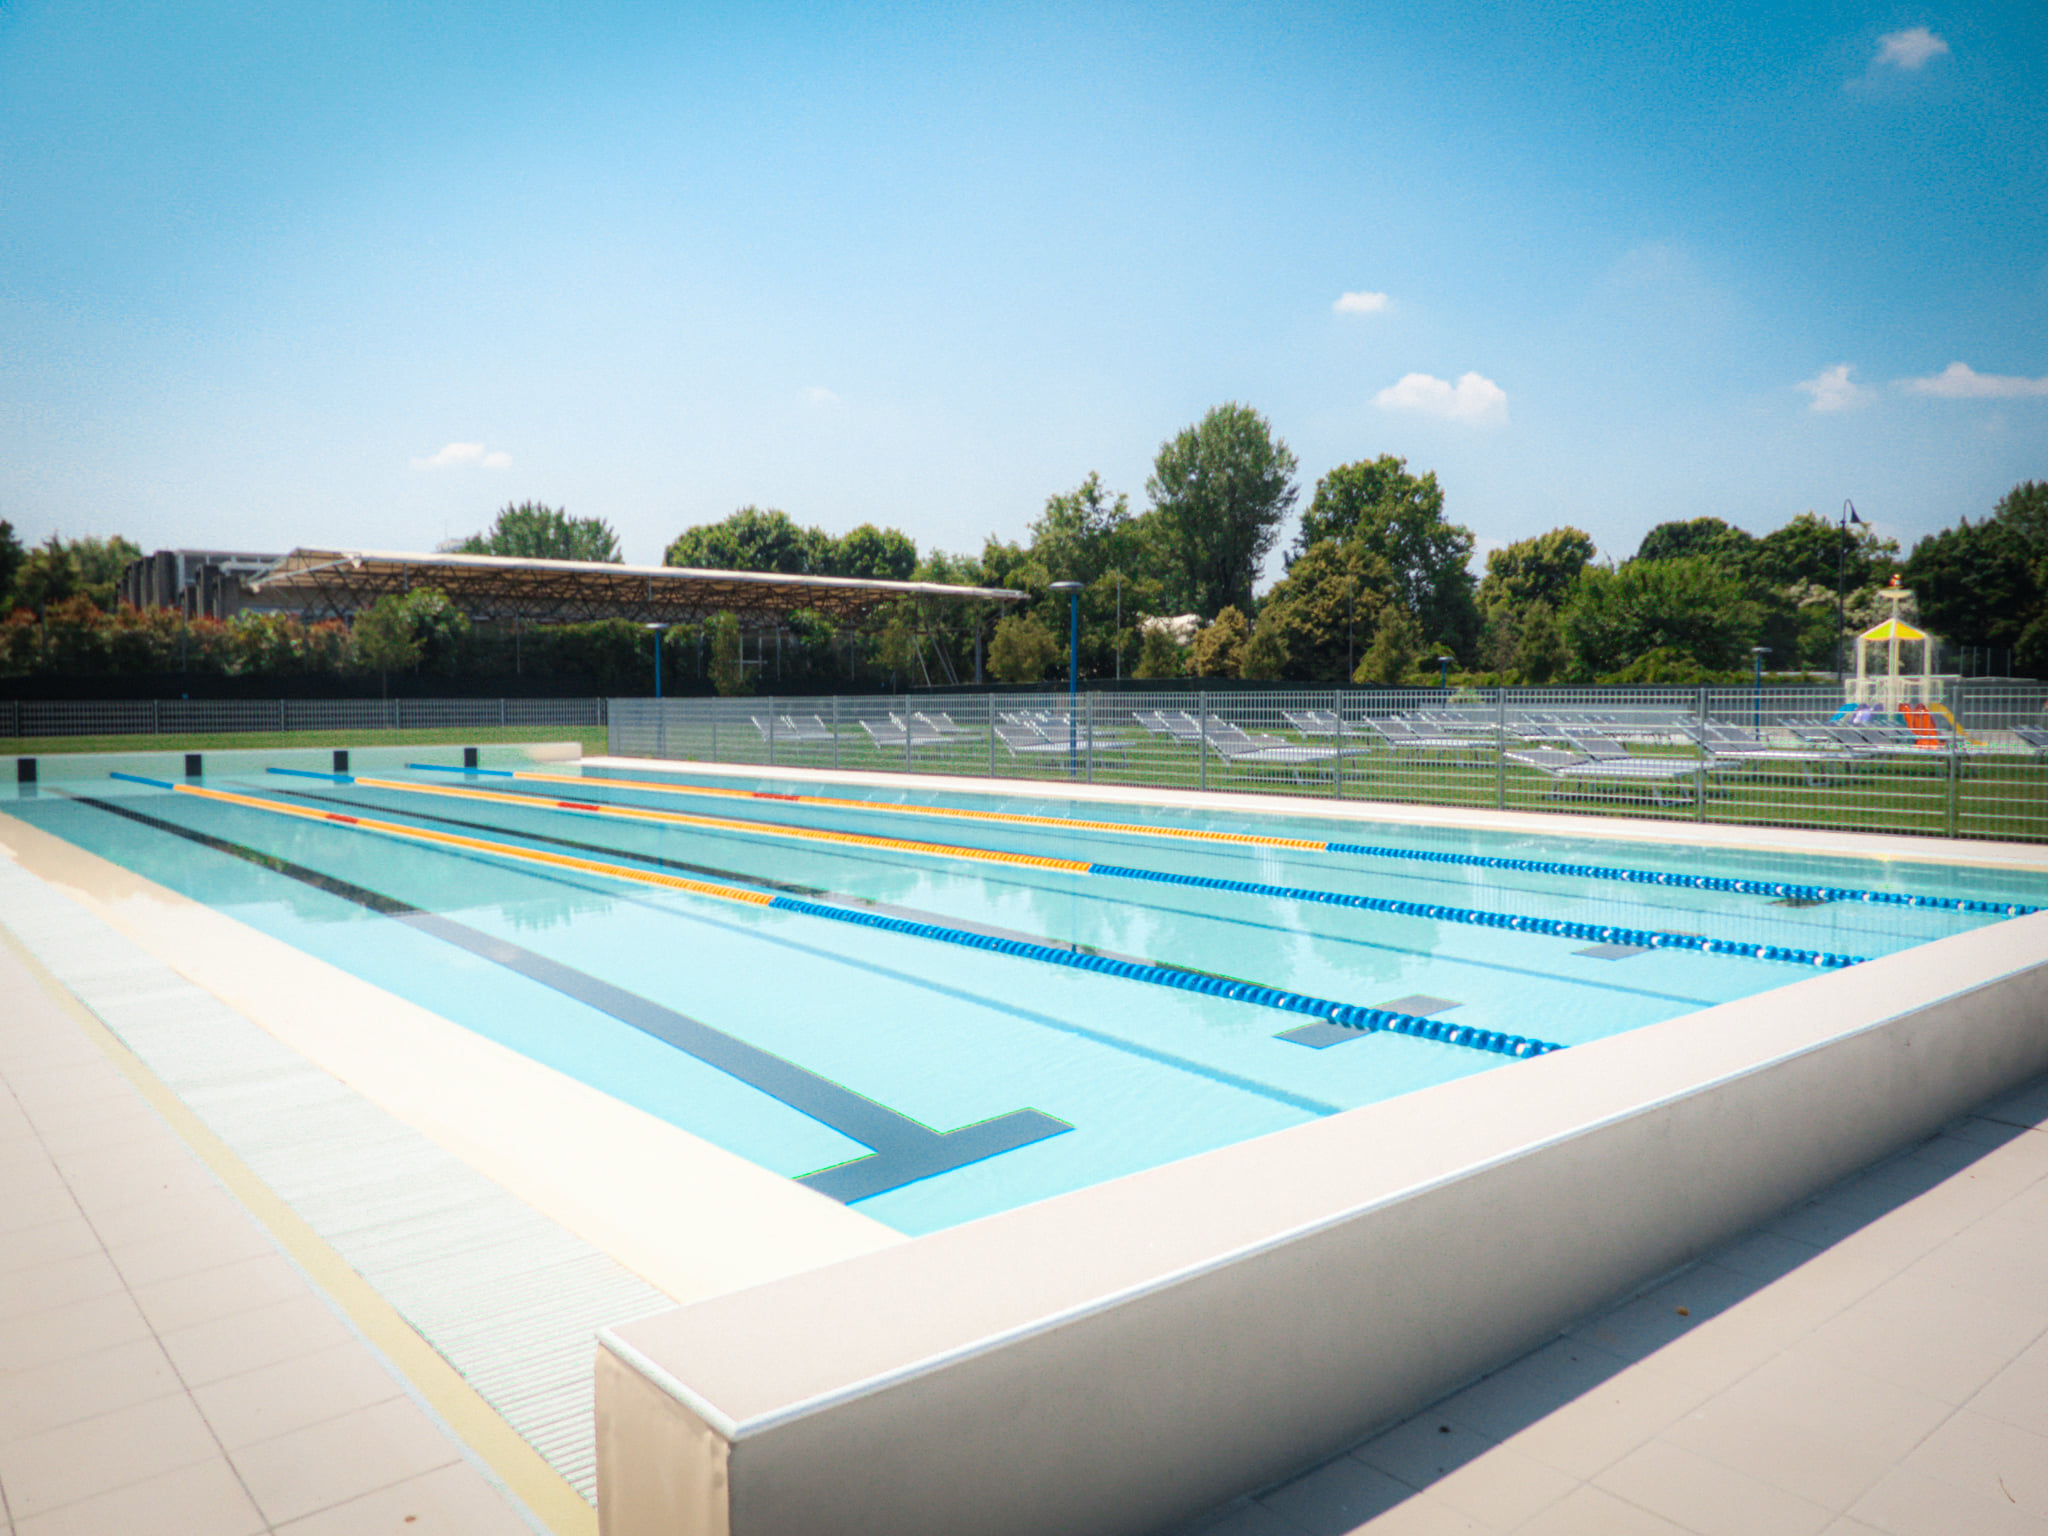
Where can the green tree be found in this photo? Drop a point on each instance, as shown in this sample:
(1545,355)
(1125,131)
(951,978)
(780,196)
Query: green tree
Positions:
(1540,654)
(62,568)
(1219,492)
(1023,650)
(382,639)
(1265,655)
(1084,533)
(1693,605)
(871,554)
(531,531)
(752,539)
(1808,549)
(1218,650)
(727,664)
(1707,536)
(1537,570)
(1396,646)
(1987,583)
(11,556)
(1160,655)
(1400,518)
(1326,609)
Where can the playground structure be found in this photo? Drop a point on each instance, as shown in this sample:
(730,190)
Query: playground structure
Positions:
(1886,691)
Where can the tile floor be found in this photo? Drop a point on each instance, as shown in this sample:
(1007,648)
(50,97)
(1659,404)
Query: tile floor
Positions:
(164,1369)
(1872,1363)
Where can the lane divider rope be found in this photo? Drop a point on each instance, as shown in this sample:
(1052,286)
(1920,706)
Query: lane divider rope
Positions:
(1563,928)
(1347,1015)
(1725,884)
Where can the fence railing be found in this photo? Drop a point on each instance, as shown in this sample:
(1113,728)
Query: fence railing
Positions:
(1762,757)
(168,717)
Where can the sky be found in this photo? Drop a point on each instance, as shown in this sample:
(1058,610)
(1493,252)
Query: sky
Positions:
(361,274)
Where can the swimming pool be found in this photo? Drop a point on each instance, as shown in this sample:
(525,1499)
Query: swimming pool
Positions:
(939,1006)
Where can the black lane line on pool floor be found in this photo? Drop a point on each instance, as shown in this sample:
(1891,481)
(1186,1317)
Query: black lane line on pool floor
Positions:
(994,1004)
(1014,880)
(903,1150)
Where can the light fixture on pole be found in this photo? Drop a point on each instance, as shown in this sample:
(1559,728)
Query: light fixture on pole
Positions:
(660,717)
(1841,564)
(1443,672)
(1073,591)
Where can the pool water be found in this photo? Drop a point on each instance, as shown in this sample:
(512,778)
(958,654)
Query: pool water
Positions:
(937,1007)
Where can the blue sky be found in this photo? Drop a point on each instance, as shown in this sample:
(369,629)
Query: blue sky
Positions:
(364,273)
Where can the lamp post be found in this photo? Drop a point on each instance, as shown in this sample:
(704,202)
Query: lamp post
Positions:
(1443,673)
(1841,564)
(1756,697)
(1073,591)
(660,718)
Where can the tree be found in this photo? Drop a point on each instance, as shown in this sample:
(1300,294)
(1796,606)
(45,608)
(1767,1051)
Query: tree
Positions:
(1693,606)
(1400,518)
(1538,570)
(1218,651)
(727,665)
(1023,650)
(1541,654)
(1265,656)
(1219,492)
(871,553)
(531,531)
(1707,536)
(62,568)
(11,556)
(1986,583)
(752,539)
(1396,644)
(1159,654)
(1326,609)
(383,640)
(1085,533)
(1811,551)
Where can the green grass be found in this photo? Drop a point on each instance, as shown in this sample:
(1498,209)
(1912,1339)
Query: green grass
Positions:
(592,738)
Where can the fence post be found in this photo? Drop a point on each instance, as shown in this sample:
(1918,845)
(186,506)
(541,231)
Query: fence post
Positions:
(714,730)
(908,765)
(1699,772)
(1955,787)
(1090,728)
(771,727)
(1202,720)
(835,730)
(990,700)
(501,714)
(1500,749)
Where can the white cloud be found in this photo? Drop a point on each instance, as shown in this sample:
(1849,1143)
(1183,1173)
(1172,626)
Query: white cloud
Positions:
(1833,390)
(454,454)
(1361,303)
(1472,398)
(1910,49)
(817,394)
(1959,381)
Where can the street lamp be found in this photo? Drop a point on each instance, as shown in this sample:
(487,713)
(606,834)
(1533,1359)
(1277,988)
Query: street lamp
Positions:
(1756,698)
(1443,672)
(1073,591)
(660,717)
(1841,562)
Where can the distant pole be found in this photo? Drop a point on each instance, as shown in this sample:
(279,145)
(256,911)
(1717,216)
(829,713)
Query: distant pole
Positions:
(1119,626)
(1841,564)
(660,720)
(1443,673)
(1073,591)
(1756,698)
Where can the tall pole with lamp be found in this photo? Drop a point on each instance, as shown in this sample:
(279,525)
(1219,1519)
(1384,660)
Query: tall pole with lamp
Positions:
(1443,673)
(1073,591)
(660,715)
(1841,564)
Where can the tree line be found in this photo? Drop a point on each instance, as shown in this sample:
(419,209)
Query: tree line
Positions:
(1378,589)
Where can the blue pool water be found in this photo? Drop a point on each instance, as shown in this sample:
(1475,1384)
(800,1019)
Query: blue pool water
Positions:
(914,1012)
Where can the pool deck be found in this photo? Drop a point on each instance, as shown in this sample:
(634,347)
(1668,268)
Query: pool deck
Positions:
(176,1356)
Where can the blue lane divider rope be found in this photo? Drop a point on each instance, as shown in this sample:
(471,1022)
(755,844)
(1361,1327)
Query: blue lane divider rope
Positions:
(1592,933)
(1724,883)
(496,773)
(1348,1015)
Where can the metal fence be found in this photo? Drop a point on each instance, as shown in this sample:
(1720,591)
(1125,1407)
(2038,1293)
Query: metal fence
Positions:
(167,717)
(1762,757)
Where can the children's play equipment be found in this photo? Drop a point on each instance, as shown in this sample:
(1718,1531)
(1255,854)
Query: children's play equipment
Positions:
(1889,688)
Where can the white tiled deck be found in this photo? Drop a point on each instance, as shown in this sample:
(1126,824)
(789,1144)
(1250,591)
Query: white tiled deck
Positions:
(1875,1361)
(165,1370)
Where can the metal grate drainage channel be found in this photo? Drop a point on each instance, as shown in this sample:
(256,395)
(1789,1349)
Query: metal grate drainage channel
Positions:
(510,1298)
